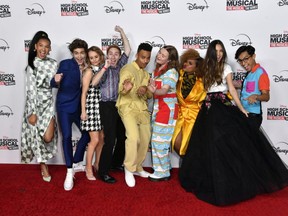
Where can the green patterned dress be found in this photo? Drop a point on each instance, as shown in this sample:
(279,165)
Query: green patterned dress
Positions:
(39,101)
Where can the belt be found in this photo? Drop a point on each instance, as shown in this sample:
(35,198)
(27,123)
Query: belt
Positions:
(254,115)
(171,95)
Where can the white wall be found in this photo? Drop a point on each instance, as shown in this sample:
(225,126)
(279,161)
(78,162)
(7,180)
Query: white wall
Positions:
(197,21)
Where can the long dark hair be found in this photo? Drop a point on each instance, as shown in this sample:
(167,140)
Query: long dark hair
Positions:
(212,69)
(32,52)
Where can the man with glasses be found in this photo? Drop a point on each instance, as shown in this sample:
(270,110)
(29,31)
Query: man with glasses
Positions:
(255,86)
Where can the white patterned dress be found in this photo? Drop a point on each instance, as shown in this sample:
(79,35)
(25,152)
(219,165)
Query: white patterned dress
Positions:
(39,101)
(93,123)
(163,121)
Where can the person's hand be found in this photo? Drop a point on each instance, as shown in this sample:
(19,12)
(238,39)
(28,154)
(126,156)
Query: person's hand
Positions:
(127,85)
(58,77)
(32,119)
(118,29)
(107,63)
(151,86)
(84,116)
(245,112)
(251,99)
(142,90)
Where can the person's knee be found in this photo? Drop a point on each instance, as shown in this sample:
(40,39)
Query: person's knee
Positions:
(48,139)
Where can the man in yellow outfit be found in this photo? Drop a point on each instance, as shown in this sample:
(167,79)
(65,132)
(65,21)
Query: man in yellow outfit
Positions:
(133,110)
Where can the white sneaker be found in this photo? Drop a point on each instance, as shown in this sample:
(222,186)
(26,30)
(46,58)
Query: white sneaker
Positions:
(129,178)
(142,174)
(78,167)
(69,183)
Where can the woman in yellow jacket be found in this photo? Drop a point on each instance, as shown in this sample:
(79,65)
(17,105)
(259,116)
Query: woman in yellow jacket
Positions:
(190,94)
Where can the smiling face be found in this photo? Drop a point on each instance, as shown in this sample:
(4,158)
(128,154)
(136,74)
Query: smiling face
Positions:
(42,48)
(190,65)
(94,58)
(219,52)
(143,58)
(246,61)
(79,55)
(162,57)
(113,55)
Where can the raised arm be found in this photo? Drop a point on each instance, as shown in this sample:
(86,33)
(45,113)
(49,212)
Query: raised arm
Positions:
(127,47)
(97,77)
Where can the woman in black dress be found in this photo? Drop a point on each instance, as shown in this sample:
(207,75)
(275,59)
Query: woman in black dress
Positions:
(227,161)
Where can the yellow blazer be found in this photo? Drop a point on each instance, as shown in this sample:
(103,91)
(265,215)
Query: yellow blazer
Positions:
(188,111)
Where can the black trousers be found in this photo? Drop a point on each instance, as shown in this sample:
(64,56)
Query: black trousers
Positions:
(255,120)
(113,151)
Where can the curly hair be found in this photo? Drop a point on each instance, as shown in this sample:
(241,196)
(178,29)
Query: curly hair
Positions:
(99,52)
(78,43)
(212,69)
(192,54)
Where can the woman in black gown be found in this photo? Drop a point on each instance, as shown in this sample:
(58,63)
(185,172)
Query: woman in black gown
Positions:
(227,161)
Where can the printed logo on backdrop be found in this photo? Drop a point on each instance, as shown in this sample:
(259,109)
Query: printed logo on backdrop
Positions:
(5,11)
(282,77)
(277,113)
(283,3)
(115,40)
(6,111)
(36,9)
(156,42)
(192,6)
(114,7)
(74,9)
(8,144)
(197,41)
(4,45)
(155,7)
(26,45)
(6,79)
(239,76)
(241,40)
(281,148)
(75,141)
(247,5)
(279,40)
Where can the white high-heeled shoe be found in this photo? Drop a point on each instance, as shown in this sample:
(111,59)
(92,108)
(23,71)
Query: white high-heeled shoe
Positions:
(89,175)
(46,178)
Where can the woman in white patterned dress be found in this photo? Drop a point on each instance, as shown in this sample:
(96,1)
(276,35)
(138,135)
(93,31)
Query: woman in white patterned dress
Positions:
(165,110)
(90,114)
(39,132)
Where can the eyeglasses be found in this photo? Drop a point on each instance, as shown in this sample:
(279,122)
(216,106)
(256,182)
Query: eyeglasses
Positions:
(244,60)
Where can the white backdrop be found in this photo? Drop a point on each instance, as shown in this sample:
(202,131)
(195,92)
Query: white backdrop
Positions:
(182,23)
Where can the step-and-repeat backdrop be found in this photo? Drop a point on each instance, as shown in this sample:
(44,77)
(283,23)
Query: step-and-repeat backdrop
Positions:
(182,23)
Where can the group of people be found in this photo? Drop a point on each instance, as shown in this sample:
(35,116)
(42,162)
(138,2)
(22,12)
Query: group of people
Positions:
(225,157)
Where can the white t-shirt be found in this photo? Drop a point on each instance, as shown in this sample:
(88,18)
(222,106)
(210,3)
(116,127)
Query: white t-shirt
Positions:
(223,86)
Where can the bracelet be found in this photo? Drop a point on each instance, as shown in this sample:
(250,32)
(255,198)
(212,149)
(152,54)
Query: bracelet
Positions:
(105,68)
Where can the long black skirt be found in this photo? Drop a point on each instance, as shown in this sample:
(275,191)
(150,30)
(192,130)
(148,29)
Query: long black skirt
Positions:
(227,161)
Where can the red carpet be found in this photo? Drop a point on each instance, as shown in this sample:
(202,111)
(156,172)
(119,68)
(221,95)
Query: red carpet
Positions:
(23,192)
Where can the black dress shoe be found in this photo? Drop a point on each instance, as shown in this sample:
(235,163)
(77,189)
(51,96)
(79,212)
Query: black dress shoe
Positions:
(107,179)
(117,168)
(159,179)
